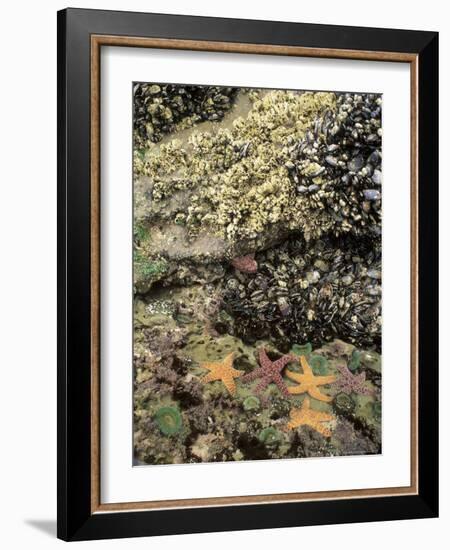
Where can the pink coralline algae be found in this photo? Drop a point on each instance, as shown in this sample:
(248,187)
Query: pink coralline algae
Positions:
(246,264)
(349,382)
(268,372)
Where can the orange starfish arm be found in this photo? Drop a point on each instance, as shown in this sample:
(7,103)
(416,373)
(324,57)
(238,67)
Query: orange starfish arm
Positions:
(210,366)
(323,416)
(305,366)
(236,373)
(228,361)
(322,430)
(305,405)
(317,394)
(296,376)
(295,390)
(210,377)
(230,384)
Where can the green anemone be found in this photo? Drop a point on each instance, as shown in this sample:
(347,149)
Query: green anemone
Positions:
(251,403)
(270,437)
(301,349)
(319,364)
(169,420)
(343,403)
(355,361)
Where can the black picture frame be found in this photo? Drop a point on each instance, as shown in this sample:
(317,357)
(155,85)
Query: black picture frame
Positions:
(76,521)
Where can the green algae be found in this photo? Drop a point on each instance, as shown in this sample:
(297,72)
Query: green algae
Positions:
(148,271)
(140,233)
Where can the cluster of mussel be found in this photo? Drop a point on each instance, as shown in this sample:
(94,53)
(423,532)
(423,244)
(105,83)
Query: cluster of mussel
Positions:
(159,107)
(312,291)
(338,164)
(318,290)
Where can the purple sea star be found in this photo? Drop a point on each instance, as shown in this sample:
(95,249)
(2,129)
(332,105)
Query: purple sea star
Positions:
(268,372)
(349,382)
(246,264)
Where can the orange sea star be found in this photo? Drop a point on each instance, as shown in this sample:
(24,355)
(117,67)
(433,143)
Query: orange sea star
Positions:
(308,382)
(305,416)
(223,371)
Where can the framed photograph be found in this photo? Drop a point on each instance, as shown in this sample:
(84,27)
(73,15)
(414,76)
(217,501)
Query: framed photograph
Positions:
(248,295)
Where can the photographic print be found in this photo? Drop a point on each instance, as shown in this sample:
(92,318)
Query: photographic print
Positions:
(246,280)
(257,273)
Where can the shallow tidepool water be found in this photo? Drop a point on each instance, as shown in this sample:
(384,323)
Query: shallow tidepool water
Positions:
(257,272)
